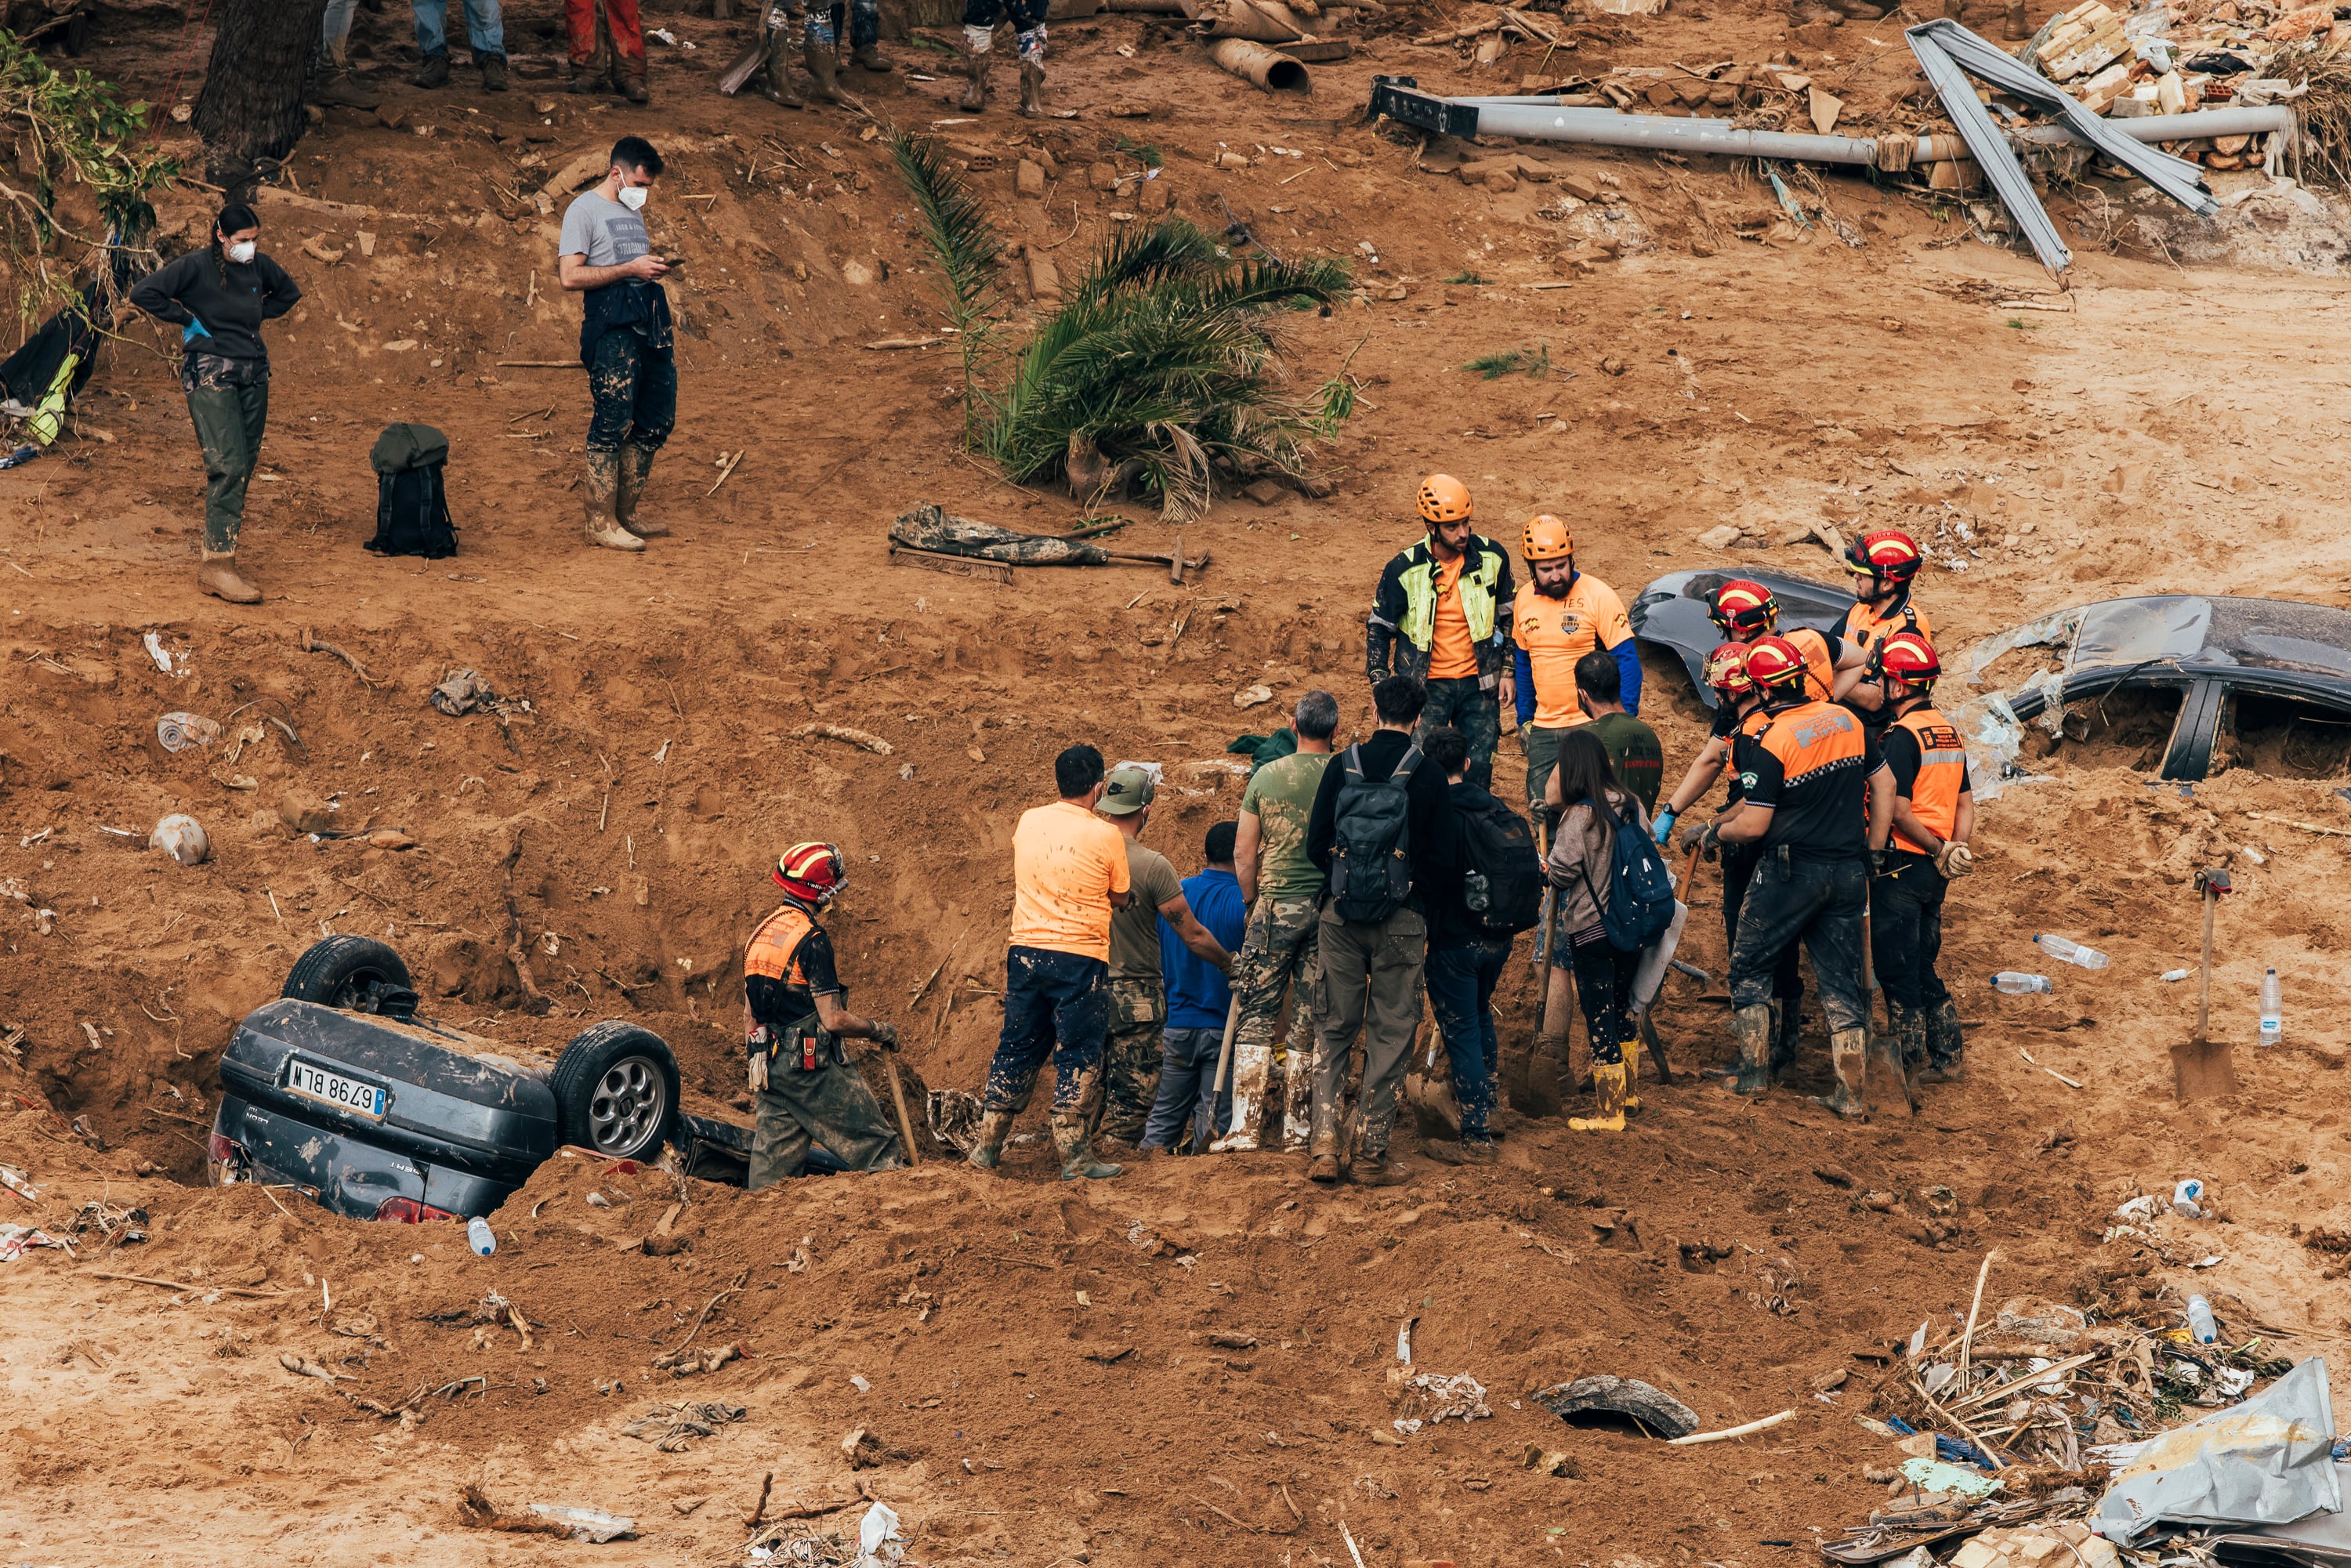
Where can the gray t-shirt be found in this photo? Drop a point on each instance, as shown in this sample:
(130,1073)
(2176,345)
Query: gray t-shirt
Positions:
(606,233)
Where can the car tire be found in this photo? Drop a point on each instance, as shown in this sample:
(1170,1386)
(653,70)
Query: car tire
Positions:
(356,972)
(616,1089)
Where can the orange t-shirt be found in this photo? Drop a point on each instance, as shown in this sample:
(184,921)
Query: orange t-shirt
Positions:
(1452,655)
(1556,633)
(1066,863)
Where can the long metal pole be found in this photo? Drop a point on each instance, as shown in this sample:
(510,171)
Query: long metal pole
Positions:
(2204,986)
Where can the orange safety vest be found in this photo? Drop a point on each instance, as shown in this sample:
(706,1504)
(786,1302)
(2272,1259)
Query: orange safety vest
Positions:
(1942,767)
(1817,738)
(773,951)
(1866,629)
(1819,681)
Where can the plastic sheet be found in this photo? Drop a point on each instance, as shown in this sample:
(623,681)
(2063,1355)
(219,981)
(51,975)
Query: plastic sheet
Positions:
(2269,1460)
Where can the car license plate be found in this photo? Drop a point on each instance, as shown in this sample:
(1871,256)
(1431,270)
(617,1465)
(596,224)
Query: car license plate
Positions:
(343,1094)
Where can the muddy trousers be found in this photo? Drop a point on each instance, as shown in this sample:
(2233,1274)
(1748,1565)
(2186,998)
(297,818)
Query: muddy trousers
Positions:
(1138,1012)
(1824,904)
(621,20)
(229,421)
(1474,708)
(863,18)
(635,394)
(1739,863)
(1905,931)
(1057,1006)
(980,18)
(1603,986)
(831,1105)
(1280,953)
(1370,982)
(1187,1073)
(1461,983)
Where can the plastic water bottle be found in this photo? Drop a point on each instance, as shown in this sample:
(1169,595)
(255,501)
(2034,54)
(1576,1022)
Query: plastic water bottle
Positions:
(2272,1010)
(2200,1321)
(2067,952)
(479,1237)
(2016,984)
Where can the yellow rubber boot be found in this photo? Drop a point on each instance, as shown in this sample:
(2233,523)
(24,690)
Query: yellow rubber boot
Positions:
(1608,1083)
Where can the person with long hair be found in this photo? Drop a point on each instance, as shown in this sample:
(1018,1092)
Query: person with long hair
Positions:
(1598,806)
(219,298)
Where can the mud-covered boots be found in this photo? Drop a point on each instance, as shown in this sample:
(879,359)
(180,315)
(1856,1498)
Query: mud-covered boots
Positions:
(636,467)
(868,58)
(1849,1056)
(594,77)
(602,490)
(218,577)
(823,69)
(632,83)
(975,82)
(1322,1147)
(1032,88)
(778,90)
(1896,1050)
(994,1127)
(1753,1026)
(1074,1144)
(1787,1023)
(1946,1045)
(494,72)
(1608,1079)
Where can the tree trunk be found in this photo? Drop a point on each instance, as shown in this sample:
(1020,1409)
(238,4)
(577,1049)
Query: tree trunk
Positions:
(250,112)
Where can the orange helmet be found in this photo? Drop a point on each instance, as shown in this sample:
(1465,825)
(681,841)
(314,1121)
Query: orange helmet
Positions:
(812,873)
(1444,499)
(1545,538)
(1726,670)
(1888,553)
(1910,658)
(1744,609)
(1774,662)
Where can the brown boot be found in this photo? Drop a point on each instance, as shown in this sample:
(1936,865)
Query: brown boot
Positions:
(823,69)
(218,577)
(1753,1026)
(993,1127)
(2015,28)
(602,489)
(975,84)
(1378,1170)
(589,78)
(1849,1055)
(868,58)
(1033,90)
(778,90)
(1075,1146)
(636,466)
(633,82)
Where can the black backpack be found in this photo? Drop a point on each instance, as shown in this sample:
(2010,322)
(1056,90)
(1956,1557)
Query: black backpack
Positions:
(1503,881)
(411,513)
(1371,851)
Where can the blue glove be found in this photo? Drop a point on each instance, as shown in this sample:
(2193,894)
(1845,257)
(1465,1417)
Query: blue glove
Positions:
(1664,826)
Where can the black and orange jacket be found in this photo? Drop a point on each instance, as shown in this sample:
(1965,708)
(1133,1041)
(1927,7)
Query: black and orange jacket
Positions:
(787,964)
(1812,766)
(1864,628)
(1936,780)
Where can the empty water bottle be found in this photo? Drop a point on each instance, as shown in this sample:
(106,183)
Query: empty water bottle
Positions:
(2067,952)
(2017,984)
(2273,1010)
(479,1237)
(2200,1321)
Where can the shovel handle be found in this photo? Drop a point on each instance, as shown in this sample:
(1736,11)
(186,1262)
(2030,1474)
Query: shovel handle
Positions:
(905,1128)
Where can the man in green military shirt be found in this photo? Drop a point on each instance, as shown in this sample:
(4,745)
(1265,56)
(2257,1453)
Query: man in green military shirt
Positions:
(1283,888)
(1138,994)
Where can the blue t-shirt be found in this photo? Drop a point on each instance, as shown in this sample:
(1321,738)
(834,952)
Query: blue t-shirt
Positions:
(1198,992)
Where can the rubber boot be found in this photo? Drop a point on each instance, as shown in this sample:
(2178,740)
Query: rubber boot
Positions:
(823,71)
(1787,1023)
(778,90)
(631,82)
(1915,1026)
(868,58)
(1608,1079)
(2015,28)
(1849,1055)
(218,577)
(1628,1051)
(994,1127)
(1753,1025)
(1033,90)
(1946,1045)
(602,490)
(1071,1142)
(975,82)
(1891,1050)
(636,467)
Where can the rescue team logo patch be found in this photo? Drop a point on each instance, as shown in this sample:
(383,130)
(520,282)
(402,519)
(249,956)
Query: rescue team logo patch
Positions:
(1569,623)
(1747,780)
(1939,738)
(1836,721)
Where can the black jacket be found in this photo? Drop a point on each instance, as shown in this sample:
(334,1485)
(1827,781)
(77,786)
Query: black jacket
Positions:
(1401,622)
(1429,818)
(216,318)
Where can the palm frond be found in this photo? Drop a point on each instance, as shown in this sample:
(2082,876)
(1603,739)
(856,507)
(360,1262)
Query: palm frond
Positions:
(956,230)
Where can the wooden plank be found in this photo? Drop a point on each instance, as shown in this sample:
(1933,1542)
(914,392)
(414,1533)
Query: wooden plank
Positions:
(1318,51)
(952,564)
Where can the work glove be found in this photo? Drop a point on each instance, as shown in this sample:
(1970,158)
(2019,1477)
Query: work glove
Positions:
(1877,863)
(759,1073)
(885,1035)
(1664,826)
(1955,861)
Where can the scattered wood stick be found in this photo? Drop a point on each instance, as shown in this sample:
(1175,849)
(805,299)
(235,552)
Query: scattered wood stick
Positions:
(732,464)
(540,365)
(854,737)
(758,1514)
(2046,1374)
(2053,1072)
(1751,1428)
(176,1285)
(885,343)
(302,1367)
(1968,1335)
(310,644)
(1220,1513)
(2305,827)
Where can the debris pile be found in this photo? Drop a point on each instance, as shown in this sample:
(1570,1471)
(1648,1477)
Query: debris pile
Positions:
(2125,65)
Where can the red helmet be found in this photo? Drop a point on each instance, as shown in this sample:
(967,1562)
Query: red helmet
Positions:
(1726,670)
(1744,609)
(812,873)
(1910,658)
(1889,553)
(1774,662)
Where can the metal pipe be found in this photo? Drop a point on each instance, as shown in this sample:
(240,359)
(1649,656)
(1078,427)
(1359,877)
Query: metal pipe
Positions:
(2177,126)
(1252,62)
(1606,128)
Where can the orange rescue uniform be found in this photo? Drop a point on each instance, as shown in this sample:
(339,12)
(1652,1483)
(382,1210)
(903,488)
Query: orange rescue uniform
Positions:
(1452,652)
(1942,777)
(1556,633)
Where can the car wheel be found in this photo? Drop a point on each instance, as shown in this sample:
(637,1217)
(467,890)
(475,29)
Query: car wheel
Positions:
(616,1089)
(356,972)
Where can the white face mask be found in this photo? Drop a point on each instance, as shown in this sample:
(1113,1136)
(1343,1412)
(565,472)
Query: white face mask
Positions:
(242,251)
(633,197)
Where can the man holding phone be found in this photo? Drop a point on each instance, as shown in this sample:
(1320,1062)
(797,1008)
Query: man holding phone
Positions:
(625,340)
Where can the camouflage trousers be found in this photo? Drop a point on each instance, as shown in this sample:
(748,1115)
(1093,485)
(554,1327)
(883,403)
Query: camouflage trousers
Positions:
(1138,1013)
(1280,951)
(832,1106)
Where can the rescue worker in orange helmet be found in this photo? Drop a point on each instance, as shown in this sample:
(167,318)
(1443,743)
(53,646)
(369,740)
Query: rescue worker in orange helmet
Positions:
(1882,564)
(1442,614)
(794,1021)
(1805,777)
(1934,816)
(1746,612)
(1560,616)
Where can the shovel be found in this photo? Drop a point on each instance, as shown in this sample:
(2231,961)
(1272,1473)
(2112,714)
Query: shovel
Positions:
(2201,1069)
